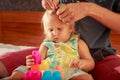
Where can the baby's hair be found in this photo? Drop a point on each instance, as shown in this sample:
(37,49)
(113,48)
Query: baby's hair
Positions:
(46,14)
(42,22)
(45,17)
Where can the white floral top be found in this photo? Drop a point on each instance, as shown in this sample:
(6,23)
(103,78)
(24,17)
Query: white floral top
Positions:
(62,54)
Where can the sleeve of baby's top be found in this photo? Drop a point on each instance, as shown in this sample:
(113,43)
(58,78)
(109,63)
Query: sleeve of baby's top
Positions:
(47,43)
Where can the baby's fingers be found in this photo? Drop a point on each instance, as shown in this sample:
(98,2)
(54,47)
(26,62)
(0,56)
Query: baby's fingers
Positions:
(29,57)
(74,63)
(29,60)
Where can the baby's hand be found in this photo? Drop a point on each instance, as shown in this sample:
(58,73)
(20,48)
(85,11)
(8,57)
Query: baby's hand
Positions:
(29,61)
(74,63)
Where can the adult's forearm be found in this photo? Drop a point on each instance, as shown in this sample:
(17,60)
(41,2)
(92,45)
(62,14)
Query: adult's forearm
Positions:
(105,16)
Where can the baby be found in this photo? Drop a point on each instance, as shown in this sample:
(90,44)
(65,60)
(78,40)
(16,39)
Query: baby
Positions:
(63,47)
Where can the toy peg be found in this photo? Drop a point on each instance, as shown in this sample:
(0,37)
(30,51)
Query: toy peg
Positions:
(47,75)
(35,67)
(57,75)
(44,65)
(59,68)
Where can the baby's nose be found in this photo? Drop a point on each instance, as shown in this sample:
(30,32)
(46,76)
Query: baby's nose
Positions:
(55,32)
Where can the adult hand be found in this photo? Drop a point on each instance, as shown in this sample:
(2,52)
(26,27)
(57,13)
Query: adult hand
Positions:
(72,12)
(50,4)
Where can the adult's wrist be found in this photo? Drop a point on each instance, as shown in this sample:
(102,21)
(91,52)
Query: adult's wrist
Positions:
(95,11)
(88,7)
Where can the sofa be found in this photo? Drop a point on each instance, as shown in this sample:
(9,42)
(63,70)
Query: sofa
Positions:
(14,59)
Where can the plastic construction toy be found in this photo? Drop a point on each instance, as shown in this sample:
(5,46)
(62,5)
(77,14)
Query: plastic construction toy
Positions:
(59,68)
(42,66)
(37,57)
(39,64)
(33,75)
(49,75)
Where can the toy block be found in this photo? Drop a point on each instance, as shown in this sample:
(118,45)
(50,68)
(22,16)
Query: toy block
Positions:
(51,75)
(59,68)
(36,56)
(33,75)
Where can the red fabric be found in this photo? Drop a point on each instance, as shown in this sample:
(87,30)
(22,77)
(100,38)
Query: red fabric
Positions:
(12,60)
(107,69)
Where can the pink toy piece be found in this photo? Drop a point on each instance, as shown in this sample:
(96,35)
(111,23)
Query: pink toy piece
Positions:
(37,57)
(33,75)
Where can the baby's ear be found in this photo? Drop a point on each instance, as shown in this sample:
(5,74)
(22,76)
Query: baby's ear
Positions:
(71,27)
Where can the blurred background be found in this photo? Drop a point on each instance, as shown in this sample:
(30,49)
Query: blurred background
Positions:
(21,5)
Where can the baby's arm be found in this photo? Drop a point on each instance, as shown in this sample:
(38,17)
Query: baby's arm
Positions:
(86,61)
(43,50)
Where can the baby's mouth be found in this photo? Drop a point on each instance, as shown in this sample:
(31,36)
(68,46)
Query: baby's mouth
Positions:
(56,39)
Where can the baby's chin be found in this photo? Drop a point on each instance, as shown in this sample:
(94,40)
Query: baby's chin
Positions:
(56,41)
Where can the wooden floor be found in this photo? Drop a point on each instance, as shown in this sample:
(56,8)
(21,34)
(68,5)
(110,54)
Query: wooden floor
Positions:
(21,28)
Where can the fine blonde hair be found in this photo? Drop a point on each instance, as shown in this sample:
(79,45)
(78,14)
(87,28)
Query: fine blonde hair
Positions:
(46,16)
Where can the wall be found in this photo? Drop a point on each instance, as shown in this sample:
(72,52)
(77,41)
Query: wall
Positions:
(21,5)
(115,40)
(0,29)
(24,28)
(21,28)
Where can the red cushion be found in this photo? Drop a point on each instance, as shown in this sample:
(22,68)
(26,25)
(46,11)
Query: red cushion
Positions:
(107,69)
(12,60)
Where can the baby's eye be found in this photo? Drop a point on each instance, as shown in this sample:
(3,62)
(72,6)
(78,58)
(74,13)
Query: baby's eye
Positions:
(50,30)
(59,28)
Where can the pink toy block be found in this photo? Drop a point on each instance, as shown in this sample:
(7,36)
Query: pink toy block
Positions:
(33,75)
(37,57)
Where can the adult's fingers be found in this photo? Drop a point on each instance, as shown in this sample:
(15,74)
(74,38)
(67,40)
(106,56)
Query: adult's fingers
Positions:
(56,2)
(45,5)
(61,9)
(68,17)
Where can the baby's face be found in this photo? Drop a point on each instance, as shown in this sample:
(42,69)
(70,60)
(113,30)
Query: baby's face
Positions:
(57,30)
